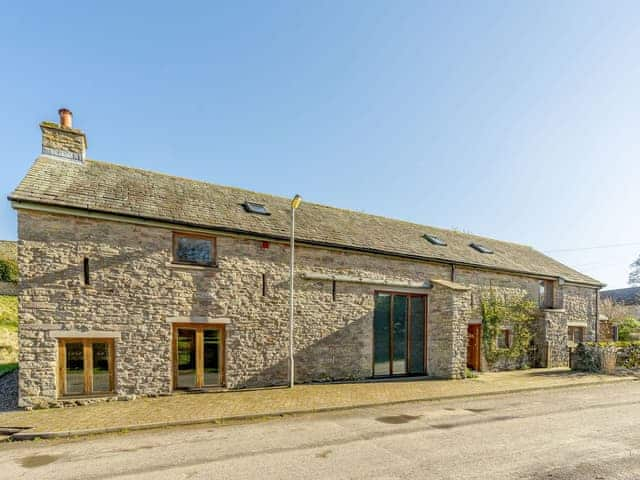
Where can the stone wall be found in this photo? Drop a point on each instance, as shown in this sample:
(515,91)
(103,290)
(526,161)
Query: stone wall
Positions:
(605,331)
(135,291)
(449,310)
(556,348)
(579,304)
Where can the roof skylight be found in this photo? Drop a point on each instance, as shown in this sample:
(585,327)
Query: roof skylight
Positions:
(253,207)
(480,248)
(435,240)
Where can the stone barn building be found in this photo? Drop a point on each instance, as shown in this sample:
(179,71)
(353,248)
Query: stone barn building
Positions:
(137,283)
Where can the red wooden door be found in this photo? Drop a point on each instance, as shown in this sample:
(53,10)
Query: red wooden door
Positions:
(473,346)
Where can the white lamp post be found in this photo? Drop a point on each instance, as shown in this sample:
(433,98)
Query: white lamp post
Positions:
(295,203)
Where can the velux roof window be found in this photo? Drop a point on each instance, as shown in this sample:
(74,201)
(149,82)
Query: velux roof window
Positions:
(258,208)
(481,248)
(435,240)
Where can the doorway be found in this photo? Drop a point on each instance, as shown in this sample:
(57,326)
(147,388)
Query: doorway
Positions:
(399,334)
(474,338)
(198,356)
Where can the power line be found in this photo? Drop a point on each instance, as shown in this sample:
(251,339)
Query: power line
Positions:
(615,245)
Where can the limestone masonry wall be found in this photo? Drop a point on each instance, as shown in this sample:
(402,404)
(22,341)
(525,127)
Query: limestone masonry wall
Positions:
(135,290)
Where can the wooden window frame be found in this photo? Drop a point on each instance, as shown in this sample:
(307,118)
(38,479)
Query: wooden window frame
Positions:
(214,249)
(408,340)
(87,351)
(546,299)
(507,338)
(571,328)
(199,340)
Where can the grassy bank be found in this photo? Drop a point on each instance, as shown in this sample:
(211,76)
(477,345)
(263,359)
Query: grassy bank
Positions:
(8,332)
(7,367)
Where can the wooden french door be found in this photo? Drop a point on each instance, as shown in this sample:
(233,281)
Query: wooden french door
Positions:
(85,366)
(474,337)
(198,356)
(399,334)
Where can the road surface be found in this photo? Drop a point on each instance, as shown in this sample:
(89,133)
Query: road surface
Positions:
(578,433)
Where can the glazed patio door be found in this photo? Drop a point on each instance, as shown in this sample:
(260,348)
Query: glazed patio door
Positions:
(399,334)
(198,356)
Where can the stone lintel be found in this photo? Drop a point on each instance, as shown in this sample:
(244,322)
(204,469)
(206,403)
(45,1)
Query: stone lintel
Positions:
(208,320)
(84,334)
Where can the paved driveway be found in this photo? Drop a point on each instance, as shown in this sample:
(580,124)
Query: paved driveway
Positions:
(201,408)
(580,433)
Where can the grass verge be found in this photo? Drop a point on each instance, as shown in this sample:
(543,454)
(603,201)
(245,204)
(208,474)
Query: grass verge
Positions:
(7,368)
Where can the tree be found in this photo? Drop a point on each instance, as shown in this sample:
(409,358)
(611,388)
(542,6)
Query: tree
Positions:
(634,275)
(8,271)
(616,312)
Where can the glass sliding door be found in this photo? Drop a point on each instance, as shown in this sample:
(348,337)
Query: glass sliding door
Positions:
(198,356)
(400,307)
(382,335)
(399,334)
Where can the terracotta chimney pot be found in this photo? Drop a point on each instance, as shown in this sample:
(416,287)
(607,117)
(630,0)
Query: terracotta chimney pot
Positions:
(66,118)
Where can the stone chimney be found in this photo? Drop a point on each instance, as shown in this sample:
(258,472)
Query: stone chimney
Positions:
(62,140)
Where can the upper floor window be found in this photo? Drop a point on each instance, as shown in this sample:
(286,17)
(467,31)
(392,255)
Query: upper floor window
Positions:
(194,249)
(545,297)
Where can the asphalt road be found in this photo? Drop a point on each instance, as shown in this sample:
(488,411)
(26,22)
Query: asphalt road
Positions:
(579,433)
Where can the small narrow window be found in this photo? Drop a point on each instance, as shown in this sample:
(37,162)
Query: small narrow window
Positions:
(504,338)
(264,284)
(333,290)
(253,207)
(480,248)
(193,249)
(435,240)
(85,271)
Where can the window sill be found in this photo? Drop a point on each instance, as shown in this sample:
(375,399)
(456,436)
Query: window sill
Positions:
(187,266)
(88,396)
(551,309)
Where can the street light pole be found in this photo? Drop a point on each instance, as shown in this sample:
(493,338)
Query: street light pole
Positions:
(295,203)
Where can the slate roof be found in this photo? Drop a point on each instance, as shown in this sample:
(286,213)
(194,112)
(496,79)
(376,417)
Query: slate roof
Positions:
(626,296)
(110,188)
(8,250)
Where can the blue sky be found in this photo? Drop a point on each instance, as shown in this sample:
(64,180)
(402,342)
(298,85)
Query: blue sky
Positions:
(514,120)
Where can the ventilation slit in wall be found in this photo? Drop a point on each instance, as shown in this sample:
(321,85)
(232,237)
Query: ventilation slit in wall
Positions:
(264,284)
(333,290)
(85,265)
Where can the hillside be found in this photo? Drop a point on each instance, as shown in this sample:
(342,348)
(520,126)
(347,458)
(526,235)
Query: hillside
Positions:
(8,329)
(8,250)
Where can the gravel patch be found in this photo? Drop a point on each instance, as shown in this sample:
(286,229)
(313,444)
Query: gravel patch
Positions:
(9,391)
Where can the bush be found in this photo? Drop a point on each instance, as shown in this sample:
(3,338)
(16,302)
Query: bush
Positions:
(516,312)
(626,328)
(8,271)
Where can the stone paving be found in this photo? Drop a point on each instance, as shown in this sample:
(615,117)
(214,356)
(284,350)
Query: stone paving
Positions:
(211,407)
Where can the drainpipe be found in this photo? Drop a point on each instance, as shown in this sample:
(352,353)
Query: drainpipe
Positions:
(597,312)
